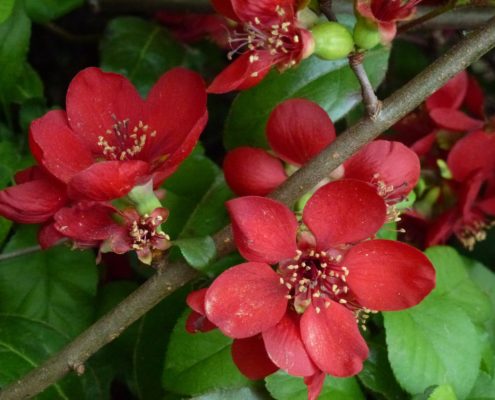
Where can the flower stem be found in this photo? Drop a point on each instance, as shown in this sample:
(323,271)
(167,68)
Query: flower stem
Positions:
(176,275)
(435,12)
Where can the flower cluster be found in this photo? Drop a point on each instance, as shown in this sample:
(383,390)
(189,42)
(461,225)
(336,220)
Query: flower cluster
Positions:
(109,144)
(453,136)
(304,315)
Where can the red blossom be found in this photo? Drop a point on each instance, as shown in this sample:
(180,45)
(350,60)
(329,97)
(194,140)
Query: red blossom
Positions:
(270,33)
(110,139)
(309,308)
(386,13)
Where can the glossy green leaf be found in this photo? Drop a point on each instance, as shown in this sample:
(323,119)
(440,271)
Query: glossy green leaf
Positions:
(198,252)
(286,387)
(14,44)
(25,344)
(57,286)
(198,363)
(331,84)
(6,7)
(28,86)
(47,10)
(443,392)
(454,285)
(377,374)
(433,343)
(484,388)
(241,394)
(139,49)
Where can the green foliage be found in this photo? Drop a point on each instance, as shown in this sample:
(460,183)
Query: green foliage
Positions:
(286,387)
(6,8)
(46,10)
(199,363)
(313,79)
(140,50)
(15,32)
(198,252)
(243,393)
(48,286)
(25,343)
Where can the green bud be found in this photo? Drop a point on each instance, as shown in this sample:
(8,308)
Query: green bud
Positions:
(332,41)
(366,34)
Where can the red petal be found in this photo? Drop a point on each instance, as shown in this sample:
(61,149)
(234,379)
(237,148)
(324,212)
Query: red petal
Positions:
(386,275)
(333,340)
(251,171)
(285,348)
(314,384)
(225,7)
(246,300)
(450,95)
(85,221)
(264,230)
(107,180)
(32,202)
(176,109)
(56,147)
(265,10)
(442,227)
(96,100)
(454,120)
(423,145)
(473,153)
(48,236)
(197,322)
(387,30)
(388,162)
(242,73)
(344,211)
(250,357)
(475,98)
(298,130)
(196,300)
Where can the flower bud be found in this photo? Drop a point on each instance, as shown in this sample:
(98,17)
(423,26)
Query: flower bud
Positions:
(332,40)
(366,34)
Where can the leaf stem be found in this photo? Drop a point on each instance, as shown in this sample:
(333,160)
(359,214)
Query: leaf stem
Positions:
(175,275)
(20,252)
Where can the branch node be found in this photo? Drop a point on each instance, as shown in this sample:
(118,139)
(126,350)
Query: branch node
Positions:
(77,367)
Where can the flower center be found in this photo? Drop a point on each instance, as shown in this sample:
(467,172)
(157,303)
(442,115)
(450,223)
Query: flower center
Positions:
(279,39)
(123,142)
(144,232)
(473,232)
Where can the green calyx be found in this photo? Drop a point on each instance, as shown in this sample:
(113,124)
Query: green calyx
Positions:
(332,41)
(144,198)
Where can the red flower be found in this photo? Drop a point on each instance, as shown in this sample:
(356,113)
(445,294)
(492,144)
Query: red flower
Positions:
(386,13)
(270,32)
(472,163)
(297,130)
(190,28)
(327,280)
(110,139)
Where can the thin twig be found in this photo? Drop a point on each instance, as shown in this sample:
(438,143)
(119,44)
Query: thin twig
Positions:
(20,252)
(326,8)
(371,102)
(176,275)
(434,13)
(69,36)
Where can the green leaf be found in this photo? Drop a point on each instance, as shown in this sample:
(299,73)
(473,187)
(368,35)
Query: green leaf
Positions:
(6,7)
(198,252)
(454,285)
(196,194)
(14,44)
(29,85)
(5,226)
(286,387)
(139,49)
(57,286)
(484,388)
(424,347)
(377,374)
(46,10)
(331,84)
(443,392)
(25,344)
(198,363)
(241,394)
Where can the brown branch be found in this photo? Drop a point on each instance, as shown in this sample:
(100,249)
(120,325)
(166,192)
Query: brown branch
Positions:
(427,16)
(176,275)
(326,7)
(371,102)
